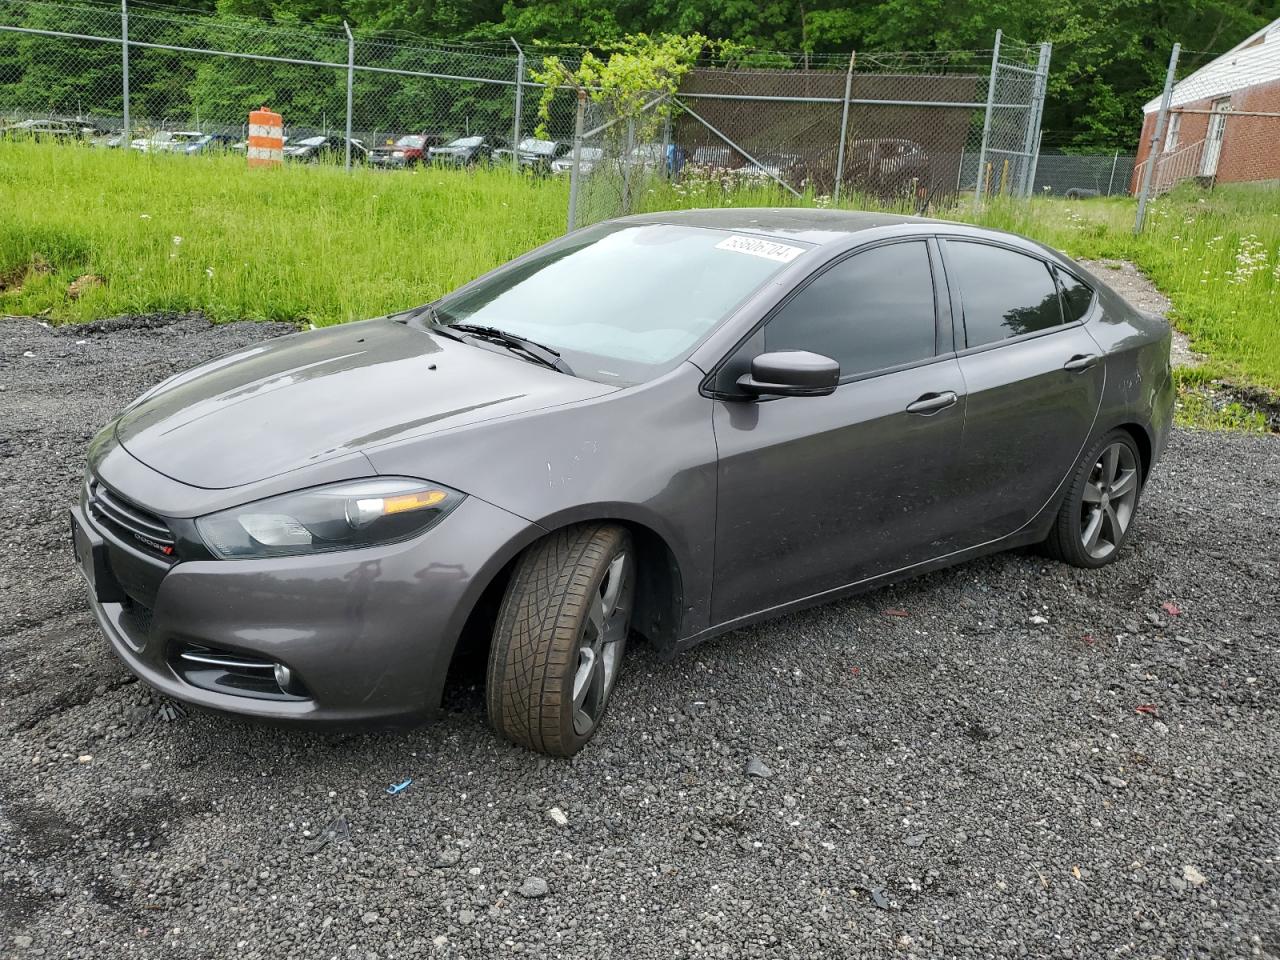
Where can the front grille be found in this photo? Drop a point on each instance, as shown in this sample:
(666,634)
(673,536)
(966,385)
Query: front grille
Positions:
(139,526)
(135,623)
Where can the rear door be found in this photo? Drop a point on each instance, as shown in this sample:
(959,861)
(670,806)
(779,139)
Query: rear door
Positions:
(1033,376)
(819,492)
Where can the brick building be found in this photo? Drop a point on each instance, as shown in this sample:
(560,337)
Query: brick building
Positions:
(1224,119)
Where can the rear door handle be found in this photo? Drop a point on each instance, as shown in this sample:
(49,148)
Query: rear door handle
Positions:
(932,402)
(1081,361)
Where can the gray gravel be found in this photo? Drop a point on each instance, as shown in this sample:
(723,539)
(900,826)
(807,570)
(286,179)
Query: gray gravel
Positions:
(1033,761)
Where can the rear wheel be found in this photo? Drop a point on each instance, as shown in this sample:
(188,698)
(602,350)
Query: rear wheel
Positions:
(560,637)
(1098,511)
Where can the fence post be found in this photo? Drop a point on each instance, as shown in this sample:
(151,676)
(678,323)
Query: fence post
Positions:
(124,70)
(515,127)
(1156,137)
(1038,96)
(1111,181)
(351,76)
(627,164)
(575,172)
(986,122)
(844,129)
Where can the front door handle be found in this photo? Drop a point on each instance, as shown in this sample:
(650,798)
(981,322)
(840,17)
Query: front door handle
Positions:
(1081,361)
(932,402)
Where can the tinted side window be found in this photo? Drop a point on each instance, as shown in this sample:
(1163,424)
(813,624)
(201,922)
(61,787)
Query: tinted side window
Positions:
(1005,294)
(872,311)
(1076,296)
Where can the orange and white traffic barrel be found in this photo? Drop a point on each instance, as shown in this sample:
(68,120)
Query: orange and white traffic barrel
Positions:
(266,138)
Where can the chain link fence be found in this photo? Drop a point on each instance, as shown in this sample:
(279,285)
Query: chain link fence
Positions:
(911,130)
(187,73)
(1084,175)
(905,130)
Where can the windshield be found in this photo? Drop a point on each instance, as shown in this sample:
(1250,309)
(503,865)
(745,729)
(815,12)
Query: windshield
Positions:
(311,142)
(410,141)
(622,302)
(467,142)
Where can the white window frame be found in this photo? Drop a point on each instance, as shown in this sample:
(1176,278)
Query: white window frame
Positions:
(1172,131)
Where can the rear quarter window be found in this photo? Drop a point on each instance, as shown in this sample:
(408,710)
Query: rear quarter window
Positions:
(1077,297)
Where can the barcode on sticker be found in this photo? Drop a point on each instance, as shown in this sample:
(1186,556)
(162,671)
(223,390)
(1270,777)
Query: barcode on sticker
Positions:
(769,249)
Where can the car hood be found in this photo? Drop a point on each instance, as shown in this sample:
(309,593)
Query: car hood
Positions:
(304,399)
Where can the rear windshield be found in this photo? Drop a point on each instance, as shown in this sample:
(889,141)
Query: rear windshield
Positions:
(623,302)
(467,142)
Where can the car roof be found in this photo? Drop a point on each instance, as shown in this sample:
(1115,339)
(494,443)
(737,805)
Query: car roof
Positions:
(807,225)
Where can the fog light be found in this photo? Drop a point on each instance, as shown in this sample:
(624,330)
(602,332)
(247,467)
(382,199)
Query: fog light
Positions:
(284,677)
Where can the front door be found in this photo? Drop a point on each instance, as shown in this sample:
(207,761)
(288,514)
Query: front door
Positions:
(1213,139)
(819,492)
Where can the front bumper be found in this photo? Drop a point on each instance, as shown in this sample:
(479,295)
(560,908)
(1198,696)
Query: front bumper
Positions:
(368,634)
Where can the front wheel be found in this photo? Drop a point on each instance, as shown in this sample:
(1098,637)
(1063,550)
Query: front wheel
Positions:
(560,637)
(1102,498)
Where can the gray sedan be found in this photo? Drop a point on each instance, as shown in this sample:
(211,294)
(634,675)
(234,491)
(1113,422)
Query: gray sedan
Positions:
(667,426)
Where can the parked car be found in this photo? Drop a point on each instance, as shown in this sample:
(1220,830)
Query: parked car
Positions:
(462,152)
(587,160)
(41,130)
(329,148)
(671,425)
(534,155)
(886,167)
(406,151)
(182,141)
(109,139)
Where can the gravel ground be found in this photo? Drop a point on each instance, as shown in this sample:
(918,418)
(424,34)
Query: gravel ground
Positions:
(1010,758)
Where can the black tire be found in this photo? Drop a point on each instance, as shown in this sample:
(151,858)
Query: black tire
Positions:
(1068,540)
(544,627)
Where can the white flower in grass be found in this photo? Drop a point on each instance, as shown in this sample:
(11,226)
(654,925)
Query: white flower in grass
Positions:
(177,240)
(208,272)
(144,216)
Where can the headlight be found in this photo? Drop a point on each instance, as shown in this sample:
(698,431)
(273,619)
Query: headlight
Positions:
(397,153)
(342,516)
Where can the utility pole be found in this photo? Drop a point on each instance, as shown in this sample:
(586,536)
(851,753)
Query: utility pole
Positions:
(1157,137)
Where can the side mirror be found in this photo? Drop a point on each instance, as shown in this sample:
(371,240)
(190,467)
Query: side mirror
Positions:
(791,373)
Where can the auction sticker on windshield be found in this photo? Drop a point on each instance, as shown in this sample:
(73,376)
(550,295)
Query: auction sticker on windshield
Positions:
(770,250)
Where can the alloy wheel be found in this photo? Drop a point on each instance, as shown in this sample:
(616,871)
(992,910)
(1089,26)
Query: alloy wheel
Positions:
(600,649)
(1110,494)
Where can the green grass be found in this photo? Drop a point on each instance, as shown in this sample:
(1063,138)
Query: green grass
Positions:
(205,233)
(1216,255)
(304,243)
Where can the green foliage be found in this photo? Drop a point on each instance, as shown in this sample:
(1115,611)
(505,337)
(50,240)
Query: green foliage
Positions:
(1109,55)
(1216,254)
(637,69)
(307,243)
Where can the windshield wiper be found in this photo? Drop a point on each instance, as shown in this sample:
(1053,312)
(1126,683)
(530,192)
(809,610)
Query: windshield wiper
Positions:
(537,352)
